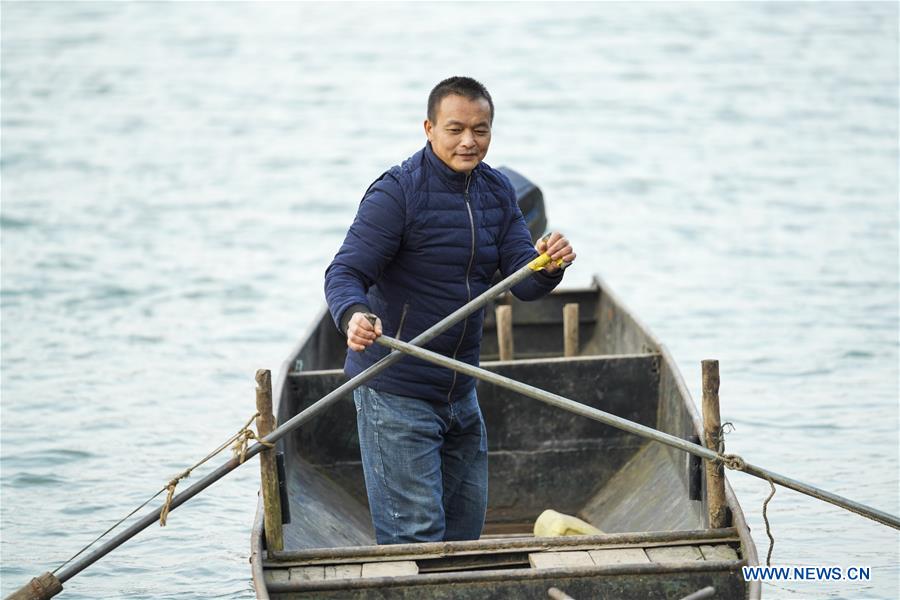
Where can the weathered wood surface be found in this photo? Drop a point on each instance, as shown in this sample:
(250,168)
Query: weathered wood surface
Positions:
(504,332)
(343,571)
(570,329)
(538,326)
(394,568)
(623,504)
(274,576)
(619,556)
(535,450)
(268,469)
(718,552)
(557,560)
(430,550)
(641,582)
(712,431)
(677,554)
(41,587)
(307,573)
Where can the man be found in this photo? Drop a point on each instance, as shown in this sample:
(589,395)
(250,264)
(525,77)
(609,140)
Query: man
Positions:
(428,237)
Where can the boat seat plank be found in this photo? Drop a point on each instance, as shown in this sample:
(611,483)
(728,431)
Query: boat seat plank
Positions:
(556,560)
(313,573)
(394,568)
(718,552)
(666,554)
(276,576)
(348,571)
(619,556)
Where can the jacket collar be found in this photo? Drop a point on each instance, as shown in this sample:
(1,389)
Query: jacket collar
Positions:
(454,180)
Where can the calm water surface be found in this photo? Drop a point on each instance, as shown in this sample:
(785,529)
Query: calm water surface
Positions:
(175,177)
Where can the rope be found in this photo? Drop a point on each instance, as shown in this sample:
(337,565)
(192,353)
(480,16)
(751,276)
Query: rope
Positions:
(239,448)
(164,511)
(732,461)
(239,442)
(719,435)
(766,519)
(736,463)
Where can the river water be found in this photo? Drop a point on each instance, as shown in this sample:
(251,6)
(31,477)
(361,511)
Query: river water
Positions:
(176,177)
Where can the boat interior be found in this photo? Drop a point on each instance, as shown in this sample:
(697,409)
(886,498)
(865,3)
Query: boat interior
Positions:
(540,457)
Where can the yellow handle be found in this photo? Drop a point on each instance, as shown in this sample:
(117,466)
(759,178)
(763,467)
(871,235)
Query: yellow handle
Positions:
(542,261)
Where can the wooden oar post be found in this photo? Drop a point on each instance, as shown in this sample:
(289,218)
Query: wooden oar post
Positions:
(265,424)
(570,329)
(712,435)
(503,314)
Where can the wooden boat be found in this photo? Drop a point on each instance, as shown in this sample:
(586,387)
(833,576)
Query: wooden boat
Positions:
(647,498)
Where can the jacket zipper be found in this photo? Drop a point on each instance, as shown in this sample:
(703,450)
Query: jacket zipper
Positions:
(468,287)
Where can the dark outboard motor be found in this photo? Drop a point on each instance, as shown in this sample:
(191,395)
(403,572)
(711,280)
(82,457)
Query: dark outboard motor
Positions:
(531,203)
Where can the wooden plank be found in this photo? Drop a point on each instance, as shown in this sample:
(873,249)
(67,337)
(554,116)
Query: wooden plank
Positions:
(394,568)
(500,546)
(276,576)
(504,331)
(348,571)
(556,560)
(619,556)
(362,553)
(308,573)
(265,423)
(712,433)
(674,554)
(718,552)
(570,329)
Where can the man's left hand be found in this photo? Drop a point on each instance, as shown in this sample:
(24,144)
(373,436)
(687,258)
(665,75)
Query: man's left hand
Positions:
(558,247)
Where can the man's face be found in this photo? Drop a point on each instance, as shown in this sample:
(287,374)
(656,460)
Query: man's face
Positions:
(461,133)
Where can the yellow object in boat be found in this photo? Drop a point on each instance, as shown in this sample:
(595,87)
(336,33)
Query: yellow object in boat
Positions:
(554,524)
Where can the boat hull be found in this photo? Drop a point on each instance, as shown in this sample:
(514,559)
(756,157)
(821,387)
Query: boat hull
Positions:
(540,457)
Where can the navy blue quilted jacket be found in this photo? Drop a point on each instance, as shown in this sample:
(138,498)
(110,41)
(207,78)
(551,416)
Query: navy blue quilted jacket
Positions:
(425,241)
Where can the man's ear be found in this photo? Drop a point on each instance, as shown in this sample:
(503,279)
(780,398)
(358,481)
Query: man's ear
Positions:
(428,128)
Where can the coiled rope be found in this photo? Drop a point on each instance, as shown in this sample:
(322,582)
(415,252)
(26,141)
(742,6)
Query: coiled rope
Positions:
(238,443)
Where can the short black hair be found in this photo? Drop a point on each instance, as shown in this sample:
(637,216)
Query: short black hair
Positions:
(461,86)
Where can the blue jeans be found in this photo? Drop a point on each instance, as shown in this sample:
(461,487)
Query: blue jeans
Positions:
(425,465)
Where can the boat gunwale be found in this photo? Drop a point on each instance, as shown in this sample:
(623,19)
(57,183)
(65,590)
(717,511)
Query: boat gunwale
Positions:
(518,544)
(508,575)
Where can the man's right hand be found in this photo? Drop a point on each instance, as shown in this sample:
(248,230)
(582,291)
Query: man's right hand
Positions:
(361,333)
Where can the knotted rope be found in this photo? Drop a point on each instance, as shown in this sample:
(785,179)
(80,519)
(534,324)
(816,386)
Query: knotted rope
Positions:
(736,463)
(238,441)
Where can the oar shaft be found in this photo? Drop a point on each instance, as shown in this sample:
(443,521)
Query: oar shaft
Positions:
(321,405)
(635,428)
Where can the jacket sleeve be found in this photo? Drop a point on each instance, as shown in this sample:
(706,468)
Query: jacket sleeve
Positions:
(516,251)
(371,243)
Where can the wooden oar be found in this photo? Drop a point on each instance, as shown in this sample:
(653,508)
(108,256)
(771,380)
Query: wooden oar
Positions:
(49,584)
(638,429)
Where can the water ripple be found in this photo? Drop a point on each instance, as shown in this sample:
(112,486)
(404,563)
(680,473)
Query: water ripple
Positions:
(177,176)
